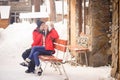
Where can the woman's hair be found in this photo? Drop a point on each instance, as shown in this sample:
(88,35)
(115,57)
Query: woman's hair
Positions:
(50,25)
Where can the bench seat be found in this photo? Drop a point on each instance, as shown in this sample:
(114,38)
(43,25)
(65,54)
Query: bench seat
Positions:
(50,58)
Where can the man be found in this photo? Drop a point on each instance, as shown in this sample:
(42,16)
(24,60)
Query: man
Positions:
(36,36)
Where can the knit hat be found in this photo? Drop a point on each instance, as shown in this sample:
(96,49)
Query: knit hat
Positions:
(39,23)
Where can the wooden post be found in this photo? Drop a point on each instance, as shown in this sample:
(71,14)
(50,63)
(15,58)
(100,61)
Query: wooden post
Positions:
(63,11)
(73,22)
(118,75)
(115,72)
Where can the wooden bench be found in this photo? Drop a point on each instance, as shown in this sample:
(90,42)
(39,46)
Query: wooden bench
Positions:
(81,48)
(59,45)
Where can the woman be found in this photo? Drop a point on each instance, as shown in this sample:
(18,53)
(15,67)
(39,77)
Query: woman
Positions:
(47,48)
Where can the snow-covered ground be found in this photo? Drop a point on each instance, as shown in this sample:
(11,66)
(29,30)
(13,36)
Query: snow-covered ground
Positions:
(18,37)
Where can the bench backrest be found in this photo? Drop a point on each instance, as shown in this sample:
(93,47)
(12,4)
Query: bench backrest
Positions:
(60,44)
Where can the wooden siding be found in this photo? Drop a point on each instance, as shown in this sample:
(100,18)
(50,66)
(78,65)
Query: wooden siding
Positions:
(4,23)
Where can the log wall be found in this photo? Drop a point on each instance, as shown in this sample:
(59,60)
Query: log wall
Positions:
(115,72)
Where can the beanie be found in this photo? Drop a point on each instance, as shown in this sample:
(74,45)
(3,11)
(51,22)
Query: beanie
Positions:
(39,23)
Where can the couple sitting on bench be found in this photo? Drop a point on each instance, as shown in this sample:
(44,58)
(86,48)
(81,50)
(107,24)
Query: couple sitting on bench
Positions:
(43,39)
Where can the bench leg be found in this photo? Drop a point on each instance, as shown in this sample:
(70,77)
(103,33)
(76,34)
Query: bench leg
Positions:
(45,66)
(86,59)
(65,73)
(58,68)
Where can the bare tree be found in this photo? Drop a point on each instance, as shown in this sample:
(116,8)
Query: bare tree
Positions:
(52,10)
(37,5)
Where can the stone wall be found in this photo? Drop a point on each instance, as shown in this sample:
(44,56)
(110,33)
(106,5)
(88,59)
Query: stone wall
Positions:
(100,17)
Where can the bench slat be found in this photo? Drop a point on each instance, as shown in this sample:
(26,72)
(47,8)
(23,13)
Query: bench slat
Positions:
(50,58)
(60,47)
(60,41)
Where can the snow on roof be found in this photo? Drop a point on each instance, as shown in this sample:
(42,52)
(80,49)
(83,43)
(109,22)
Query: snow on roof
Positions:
(4,12)
(34,15)
(60,6)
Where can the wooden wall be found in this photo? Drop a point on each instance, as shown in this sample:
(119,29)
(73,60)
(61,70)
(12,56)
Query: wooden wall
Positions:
(99,12)
(4,23)
(115,72)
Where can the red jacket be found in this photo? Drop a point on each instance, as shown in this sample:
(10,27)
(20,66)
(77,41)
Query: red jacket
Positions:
(38,39)
(51,36)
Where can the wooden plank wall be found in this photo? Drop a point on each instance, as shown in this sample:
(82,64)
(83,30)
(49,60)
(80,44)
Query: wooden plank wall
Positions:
(4,23)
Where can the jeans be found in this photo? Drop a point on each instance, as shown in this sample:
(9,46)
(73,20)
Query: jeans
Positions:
(36,51)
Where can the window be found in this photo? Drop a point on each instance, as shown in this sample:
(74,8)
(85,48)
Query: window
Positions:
(2,2)
(14,0)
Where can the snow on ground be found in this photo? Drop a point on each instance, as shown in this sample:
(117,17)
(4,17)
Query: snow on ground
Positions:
(18,37)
